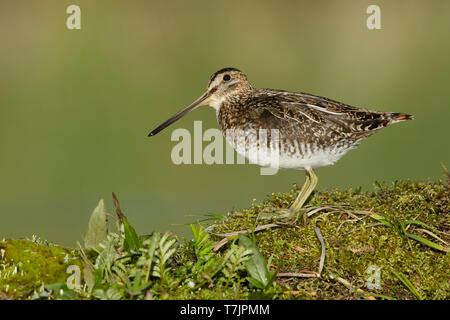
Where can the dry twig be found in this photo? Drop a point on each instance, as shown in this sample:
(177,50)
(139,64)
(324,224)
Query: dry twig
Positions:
(349,286)
(322,255)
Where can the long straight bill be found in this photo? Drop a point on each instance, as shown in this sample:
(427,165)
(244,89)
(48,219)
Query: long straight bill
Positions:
(180,114)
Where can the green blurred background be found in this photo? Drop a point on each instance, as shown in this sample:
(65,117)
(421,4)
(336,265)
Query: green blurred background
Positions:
(76,105)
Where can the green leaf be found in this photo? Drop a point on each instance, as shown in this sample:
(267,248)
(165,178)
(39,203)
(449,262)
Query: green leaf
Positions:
(98,227)
(256,283)
(89,276)
(256,266)
(428,242)
(150,253)
(131,238)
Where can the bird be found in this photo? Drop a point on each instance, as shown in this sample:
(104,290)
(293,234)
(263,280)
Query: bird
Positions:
(301,131)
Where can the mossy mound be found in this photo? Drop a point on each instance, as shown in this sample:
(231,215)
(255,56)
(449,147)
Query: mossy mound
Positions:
(355,241)
(26,265)
(397,234)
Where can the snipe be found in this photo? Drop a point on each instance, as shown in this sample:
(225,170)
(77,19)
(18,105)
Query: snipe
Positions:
(311,131)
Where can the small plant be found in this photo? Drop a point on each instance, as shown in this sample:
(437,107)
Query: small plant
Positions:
(124,266)
(236,260)
(165,249)
(203,246)
(207,264)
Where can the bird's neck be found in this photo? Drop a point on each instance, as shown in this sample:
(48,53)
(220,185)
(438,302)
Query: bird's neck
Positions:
(232,114)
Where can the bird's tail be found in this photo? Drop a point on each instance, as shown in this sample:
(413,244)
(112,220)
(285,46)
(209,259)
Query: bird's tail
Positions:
(398,117)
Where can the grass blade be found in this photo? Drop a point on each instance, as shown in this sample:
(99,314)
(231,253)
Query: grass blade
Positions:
(418,223)
(407,284)
(380,218)
(427,242)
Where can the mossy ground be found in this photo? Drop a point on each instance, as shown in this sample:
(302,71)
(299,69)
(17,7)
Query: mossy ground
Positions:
(354,241)
(25,265)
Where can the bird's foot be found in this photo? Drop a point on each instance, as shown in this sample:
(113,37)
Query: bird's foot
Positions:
(282,215)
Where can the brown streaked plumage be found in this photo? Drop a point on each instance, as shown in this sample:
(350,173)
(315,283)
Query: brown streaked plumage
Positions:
(304,131)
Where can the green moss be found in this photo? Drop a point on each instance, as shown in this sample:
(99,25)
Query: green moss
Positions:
(25,265)
(352,245)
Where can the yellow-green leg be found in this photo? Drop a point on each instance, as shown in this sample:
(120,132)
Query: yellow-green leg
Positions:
(306,190)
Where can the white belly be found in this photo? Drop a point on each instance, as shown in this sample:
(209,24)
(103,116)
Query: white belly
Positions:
(296,156)
(297,161)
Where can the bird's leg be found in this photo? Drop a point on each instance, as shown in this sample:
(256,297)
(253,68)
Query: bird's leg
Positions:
(305,192)
(295,206)
(299,201)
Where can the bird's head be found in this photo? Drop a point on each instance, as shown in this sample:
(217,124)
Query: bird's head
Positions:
(225,84)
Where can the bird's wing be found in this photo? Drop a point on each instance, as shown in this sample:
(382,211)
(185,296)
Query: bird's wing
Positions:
(300,109)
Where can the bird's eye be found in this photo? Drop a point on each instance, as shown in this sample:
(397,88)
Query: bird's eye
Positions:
(226,77)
